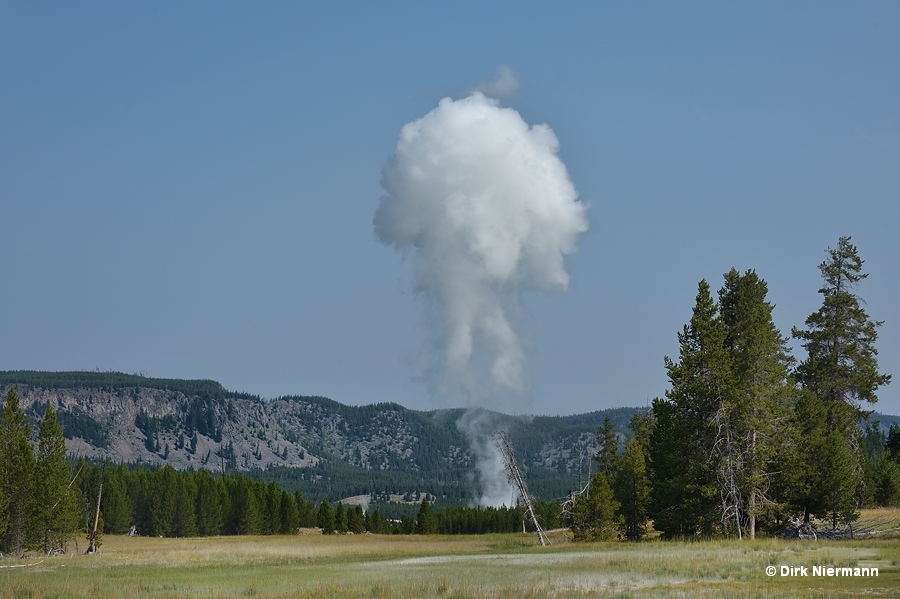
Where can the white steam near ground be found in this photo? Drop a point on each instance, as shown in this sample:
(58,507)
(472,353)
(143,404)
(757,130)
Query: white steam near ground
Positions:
(488,211)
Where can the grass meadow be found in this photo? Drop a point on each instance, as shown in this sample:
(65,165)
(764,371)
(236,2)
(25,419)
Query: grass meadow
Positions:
(511,565)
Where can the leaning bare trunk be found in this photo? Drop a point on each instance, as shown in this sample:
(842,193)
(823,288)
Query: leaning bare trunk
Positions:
(92,545)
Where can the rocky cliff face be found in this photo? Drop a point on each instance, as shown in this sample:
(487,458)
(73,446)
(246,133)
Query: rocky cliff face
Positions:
(150,423)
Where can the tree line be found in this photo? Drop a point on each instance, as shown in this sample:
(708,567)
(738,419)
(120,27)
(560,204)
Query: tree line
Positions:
(747,438)
(47,501)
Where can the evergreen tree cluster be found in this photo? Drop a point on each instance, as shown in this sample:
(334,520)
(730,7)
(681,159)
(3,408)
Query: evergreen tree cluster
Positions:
(746,438)
(171,503)
(615,502)
(39,507)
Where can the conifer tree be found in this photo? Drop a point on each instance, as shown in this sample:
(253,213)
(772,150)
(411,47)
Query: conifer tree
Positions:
(116,504)
(841,364)
(631,489)
(246,507)
(609,448)
(55,501)
(290,515)
(841,372)
(684,492)
(753,416)
(426,522)
(162,501)
(340,519)
(16,477)
(325,518)
(715,444)
(184,522)
(594,513)
(211,493)
(272,519)
(356,521)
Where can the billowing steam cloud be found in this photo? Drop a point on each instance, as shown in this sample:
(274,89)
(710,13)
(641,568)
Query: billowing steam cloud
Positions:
(504,84)
(489,210)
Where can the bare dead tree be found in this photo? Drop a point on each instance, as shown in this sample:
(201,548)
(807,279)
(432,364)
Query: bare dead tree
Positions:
(92,544)
(728,471)
(514,475)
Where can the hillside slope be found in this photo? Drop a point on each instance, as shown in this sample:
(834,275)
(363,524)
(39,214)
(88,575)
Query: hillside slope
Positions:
(301,441)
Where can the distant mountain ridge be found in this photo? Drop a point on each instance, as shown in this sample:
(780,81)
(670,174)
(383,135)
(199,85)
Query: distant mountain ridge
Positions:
(314,443)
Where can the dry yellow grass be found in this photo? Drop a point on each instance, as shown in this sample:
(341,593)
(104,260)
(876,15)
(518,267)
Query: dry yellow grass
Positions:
(452,567)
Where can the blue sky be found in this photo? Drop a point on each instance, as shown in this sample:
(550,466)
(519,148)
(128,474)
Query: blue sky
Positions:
(187,189)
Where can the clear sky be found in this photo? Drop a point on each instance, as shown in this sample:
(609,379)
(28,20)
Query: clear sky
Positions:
(188,189)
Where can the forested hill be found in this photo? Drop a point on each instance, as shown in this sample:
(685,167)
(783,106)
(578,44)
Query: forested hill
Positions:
(314,443)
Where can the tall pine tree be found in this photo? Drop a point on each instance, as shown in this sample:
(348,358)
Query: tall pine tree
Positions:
(754,415)
(55,501)
(631,488)
(841,373)
(16,477)
(684,495)
(716,440)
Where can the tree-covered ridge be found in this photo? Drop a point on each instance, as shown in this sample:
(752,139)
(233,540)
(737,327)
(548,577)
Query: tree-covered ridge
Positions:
(311,443)
(115,381)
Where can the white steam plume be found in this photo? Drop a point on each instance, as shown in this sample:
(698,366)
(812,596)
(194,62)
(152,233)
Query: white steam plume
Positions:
(504,84)
(490,212)
(479,427)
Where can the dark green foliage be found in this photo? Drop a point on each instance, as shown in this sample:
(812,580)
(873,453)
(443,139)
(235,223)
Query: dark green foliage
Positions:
(753,419)
(682,504)
(247,515)
(376,524)
(841,363)
(162,501)
(117,381)
(480,520)
(185,518)
(886,479)
(341,523)
(356,522)
(56,509)
(212,499)
(594,514)
(407,526)
(326,519)
(17,466)
(289,520)
(716,442)
(307,512)
(152,426)
(426,521)
(684,496)
(840,372)
(77,424)
(116,506)
(609,448)
(892,445)
(631,488)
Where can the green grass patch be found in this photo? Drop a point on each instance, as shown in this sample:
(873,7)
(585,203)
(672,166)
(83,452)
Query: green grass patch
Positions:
(446,567)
